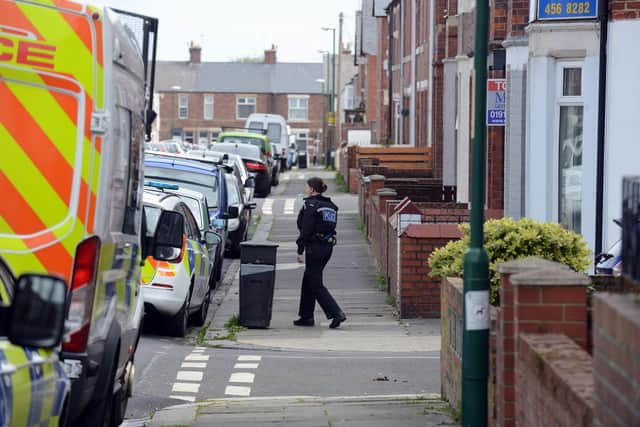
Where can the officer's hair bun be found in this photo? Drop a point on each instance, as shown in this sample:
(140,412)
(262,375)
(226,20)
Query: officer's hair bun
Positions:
(317,184)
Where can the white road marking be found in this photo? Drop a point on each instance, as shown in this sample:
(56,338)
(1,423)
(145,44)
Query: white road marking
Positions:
(194,357)
(267,207)
(193,365)
(242,377)
(288,206)
(246,366)
(200,348)
(197,350)
(301,176)
(189,376)
(186,398)
(186,388)
(249,358)
(237,391)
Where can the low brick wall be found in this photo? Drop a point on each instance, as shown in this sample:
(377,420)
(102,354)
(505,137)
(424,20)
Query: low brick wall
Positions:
(354,180)
(554,382)
(616,354)
(451,341)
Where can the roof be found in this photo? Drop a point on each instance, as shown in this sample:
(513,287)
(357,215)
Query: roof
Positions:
(156,197)
(186,165)
(239,77)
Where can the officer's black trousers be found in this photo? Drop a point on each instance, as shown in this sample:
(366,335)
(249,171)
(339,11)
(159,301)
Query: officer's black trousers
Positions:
(316,258)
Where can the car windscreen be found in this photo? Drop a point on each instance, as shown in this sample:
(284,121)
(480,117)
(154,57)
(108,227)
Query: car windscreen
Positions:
(244,140)
(245,151)
(203,183)
(274,131)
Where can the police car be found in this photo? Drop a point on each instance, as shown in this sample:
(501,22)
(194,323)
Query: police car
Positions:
(175,281)
(34,388)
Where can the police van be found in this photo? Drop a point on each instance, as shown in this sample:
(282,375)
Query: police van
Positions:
(75,86)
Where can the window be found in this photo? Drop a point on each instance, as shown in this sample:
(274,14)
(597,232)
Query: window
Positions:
(208,107)
(183,107)
(188,136)
(245,106)
(130,131)
(203,137)
(570,115)
(299,108)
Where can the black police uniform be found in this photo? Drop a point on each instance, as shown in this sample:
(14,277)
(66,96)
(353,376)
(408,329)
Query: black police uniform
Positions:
(317,222)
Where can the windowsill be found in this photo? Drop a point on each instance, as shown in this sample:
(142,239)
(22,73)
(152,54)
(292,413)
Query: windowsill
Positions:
(298,120)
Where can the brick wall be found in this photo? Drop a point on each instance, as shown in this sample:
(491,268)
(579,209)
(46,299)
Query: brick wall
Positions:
(354,180)
(495,158)
(555,382)
(616,354)
(451,340)
(523,310)
(419,292)
(624,9)
(517,17)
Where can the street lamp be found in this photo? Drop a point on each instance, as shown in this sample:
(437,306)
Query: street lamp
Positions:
(333,89)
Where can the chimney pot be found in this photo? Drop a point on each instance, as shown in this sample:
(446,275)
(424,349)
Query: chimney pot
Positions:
(195,53)
(270,55)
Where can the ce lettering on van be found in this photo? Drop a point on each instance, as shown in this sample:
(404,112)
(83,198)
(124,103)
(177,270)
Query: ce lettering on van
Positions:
(27,52)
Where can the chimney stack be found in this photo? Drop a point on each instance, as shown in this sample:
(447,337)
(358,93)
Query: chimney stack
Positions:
(270,55)
(195,52)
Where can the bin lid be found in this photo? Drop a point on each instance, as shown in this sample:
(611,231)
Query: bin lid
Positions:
(259,244)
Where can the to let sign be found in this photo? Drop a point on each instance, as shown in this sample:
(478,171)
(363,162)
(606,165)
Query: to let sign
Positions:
(496,100)
(566,9)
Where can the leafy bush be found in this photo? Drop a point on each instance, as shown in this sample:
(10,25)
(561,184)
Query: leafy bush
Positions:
(507,239)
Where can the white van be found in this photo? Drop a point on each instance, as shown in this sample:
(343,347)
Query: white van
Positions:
(274,124)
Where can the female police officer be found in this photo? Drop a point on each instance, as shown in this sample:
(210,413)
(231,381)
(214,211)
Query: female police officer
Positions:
(317,224)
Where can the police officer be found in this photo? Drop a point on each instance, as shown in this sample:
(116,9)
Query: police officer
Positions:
(317,224)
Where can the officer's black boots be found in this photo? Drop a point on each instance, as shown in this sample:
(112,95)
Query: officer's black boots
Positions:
(304,322)
(339,318)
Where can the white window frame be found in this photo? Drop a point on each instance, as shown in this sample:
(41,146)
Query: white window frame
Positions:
(297,98)
(189,136)
(183,105)
(245,99)
(565,101)
(208,102)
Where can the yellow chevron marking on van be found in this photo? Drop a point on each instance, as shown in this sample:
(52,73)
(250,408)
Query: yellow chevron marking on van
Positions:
(72,56)
(26,261)
(45,202)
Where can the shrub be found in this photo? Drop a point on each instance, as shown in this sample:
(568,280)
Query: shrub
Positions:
(507,239)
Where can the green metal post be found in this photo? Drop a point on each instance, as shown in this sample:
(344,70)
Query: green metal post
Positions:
(475,343)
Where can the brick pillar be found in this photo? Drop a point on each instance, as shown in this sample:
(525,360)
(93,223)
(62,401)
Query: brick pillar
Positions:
(376,182)
(549,301)
(616,359)
(505,339)
(385,194)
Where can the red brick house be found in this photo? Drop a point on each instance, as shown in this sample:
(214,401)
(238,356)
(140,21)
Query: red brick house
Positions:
(196,99)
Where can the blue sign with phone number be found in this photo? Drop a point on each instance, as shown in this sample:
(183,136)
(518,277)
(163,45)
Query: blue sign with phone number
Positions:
(567,9)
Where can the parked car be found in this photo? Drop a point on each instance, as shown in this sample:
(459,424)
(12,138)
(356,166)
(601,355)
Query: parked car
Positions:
(253,138)
(248,181)
(33,308)
(175,282)
(198,176)
(255,162)
(237,228)
(274,125)
(197,203)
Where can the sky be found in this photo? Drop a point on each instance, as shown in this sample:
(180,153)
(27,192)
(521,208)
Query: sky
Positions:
(233,29)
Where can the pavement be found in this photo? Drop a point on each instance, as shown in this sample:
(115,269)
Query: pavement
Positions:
(371,327)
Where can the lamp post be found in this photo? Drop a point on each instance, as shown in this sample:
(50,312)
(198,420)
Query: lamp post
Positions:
(325,106)
(332,108)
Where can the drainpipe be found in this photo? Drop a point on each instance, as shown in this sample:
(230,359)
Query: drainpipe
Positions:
(390,76)
(602,98)
(431,95)
(401,79)
(412,116)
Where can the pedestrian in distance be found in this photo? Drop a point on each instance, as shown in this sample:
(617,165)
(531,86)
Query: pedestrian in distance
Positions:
(317,222)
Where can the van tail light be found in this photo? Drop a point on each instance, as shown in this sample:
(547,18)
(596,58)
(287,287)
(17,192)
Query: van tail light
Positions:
(83,288)
(256,167)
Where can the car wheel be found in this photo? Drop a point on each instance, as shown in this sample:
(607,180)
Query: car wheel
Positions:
(101,413)
(181,321)
(201,316)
